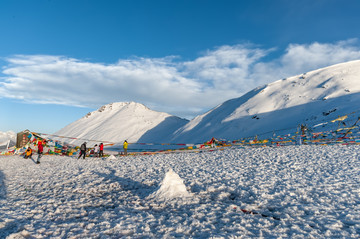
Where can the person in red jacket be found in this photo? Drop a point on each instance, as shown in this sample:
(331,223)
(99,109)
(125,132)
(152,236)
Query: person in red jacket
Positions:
(101,153)
(40,151)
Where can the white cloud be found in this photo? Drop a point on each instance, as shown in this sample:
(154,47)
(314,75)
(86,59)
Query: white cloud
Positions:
(180,88)
(227,68)
(69,81)
(316,55)
(302,58)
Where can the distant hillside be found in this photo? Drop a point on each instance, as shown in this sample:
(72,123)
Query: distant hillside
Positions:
(117,122)
(5,137)
(308,98)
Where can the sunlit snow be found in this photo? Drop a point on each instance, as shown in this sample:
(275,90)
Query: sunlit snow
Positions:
(294,191)
(171,187)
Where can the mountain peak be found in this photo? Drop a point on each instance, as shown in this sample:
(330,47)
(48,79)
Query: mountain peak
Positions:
(116,106)
(118,121)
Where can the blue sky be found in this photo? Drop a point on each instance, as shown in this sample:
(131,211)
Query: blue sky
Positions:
(61,59)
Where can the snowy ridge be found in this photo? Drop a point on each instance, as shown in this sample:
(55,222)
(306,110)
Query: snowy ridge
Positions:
(323,84)
(303,99)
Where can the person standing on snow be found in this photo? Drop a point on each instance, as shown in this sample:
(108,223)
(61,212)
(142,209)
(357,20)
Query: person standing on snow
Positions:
(125,146)
(101,153)
(96,150)
(82,150)
(40,151)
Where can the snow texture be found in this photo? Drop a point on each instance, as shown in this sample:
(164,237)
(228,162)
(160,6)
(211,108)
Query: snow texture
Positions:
(272,192)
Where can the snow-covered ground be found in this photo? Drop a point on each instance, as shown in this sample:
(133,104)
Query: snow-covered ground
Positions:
(305,191)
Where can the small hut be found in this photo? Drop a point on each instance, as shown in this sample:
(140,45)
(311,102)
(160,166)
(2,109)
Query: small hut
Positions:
(22,138)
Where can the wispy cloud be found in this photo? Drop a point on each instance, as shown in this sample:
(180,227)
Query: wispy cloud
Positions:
(166,84)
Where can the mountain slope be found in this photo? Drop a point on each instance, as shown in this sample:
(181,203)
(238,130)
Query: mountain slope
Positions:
(5,137)
(117,122)
(308,98)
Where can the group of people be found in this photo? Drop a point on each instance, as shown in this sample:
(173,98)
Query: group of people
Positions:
(99,150)
(29,151)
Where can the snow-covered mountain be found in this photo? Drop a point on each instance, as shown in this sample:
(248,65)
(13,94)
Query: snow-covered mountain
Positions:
(279,107)
(309,98)
(7,139)
(121,121)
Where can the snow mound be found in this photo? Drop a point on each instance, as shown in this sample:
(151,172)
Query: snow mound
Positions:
(172,187)
(111,157)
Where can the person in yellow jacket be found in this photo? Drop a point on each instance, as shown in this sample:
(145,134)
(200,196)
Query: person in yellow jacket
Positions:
(28,153)
(125,146)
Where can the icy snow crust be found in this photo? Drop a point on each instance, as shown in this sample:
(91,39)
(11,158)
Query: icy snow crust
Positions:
(305,191)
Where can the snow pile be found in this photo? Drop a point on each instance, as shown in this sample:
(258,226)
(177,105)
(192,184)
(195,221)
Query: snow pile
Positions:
(172,187)
(111,157)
